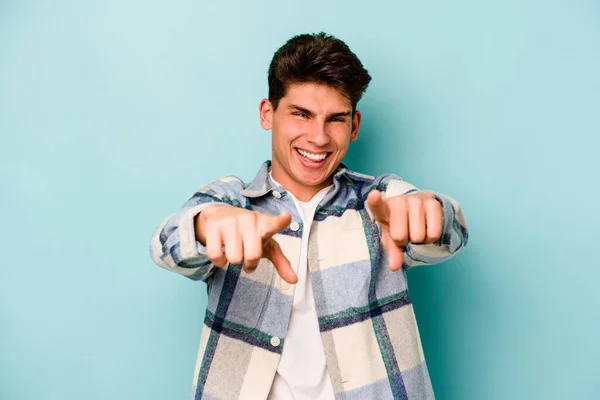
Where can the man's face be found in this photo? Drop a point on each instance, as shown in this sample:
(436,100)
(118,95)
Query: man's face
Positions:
(312,129)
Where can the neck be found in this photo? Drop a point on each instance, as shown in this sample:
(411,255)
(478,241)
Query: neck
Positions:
(301,191)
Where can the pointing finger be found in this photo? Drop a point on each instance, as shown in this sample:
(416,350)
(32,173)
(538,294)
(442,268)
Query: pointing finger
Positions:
(395,253)
(272,225)
(273,252)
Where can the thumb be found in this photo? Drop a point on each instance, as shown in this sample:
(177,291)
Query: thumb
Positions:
(378,206)
(273,253)
(395,253)
(271,225)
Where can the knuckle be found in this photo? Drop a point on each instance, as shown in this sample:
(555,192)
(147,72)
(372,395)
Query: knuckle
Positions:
(401,243)
(417,238)
(393,201)
(414,201)
(246,219)
(434,235)
(400,205)
(404,199)
(233,220)
(398,235)
(433,203)
(431,239)
(234,259)
(213,254)
(218,261)
(228,225)
(253,255)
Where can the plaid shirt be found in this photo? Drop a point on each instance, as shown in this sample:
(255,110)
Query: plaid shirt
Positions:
(365,315)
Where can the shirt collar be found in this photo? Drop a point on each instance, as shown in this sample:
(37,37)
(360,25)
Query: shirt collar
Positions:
(261,184)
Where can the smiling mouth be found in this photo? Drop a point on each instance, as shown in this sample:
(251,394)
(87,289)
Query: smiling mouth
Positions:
(313,157)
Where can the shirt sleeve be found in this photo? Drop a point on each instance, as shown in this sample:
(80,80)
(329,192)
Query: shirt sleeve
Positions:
(454,229)
(173,244)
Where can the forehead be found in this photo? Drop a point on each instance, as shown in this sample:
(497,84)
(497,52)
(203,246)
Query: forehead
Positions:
(316,97)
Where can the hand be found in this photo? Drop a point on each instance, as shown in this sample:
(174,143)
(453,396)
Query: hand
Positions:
(246,235)
(416,218)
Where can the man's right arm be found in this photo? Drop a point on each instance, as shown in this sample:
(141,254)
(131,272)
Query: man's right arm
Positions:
(173,245)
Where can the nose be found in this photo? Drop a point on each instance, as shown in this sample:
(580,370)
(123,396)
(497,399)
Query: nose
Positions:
(318,135)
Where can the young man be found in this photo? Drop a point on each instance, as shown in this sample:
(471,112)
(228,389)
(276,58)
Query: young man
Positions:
(306,265)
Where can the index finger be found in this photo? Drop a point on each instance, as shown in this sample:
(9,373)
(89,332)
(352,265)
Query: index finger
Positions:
(270,225)
(282,264)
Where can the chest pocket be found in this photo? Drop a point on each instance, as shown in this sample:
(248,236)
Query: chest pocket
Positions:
(238,297)
(368,281)
(363,271)
(356,267)
(344,260)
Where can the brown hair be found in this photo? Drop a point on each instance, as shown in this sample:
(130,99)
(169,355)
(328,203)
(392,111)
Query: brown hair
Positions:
(317,58)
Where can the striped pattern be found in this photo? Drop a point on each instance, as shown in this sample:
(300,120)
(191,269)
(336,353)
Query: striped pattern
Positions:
(365,315)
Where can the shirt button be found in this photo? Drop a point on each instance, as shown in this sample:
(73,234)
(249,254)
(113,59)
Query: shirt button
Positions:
(285,285)
(275,341)
(276,194)
(294,226)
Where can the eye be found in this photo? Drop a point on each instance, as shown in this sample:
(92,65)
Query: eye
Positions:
(337,119)
(300,114)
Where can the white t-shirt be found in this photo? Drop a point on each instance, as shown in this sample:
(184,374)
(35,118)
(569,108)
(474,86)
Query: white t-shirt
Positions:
(302,372)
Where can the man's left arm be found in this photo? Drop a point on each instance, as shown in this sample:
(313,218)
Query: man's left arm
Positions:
(417,227)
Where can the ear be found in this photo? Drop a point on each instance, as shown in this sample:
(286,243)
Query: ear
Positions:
(356,118)
(265,111)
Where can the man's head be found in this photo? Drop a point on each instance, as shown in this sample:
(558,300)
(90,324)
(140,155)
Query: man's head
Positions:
(317,58)
(315,83)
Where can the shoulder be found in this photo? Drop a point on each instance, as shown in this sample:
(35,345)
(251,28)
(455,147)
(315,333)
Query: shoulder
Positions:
(390,183)
(225,189)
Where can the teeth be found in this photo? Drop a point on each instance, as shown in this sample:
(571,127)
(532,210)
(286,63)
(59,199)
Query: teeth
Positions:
(311,156)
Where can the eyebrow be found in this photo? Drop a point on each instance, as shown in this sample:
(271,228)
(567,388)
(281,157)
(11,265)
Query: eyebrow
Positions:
(311,114)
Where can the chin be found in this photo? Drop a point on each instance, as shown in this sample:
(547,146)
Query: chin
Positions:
(314,182)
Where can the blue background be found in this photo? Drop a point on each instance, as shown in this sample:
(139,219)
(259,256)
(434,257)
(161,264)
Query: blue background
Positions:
(112,113)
